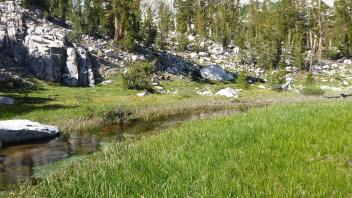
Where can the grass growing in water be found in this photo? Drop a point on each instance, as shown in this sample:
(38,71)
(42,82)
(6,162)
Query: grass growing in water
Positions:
(301,150)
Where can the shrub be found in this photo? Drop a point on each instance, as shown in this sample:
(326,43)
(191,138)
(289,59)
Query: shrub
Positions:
(182,42)
(310,87)
(127,42)
(277,79)
(160,41)
(309,80)
(242,80)
(312,91)
(138,76)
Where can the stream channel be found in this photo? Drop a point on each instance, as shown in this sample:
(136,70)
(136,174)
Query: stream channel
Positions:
(19,163)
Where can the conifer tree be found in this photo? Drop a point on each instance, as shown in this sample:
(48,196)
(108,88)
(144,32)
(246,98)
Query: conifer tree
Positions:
(341,31)
(163,25)
(149,29)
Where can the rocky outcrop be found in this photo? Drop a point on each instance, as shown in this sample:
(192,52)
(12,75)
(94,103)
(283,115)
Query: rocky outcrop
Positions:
(86,75)
(25,130)
(176,65)
(12,29)
(70,76)
(43,47)
(215,73)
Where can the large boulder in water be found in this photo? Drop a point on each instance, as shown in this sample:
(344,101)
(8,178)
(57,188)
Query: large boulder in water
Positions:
(12,131)
(215,73)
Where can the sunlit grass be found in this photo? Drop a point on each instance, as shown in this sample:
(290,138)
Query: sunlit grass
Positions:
(301,150)
(74,109)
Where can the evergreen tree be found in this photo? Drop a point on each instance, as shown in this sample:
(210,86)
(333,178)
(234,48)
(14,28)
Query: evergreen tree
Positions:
(149,29)
(126,16)
(163,25)
(341,31)
(75,18)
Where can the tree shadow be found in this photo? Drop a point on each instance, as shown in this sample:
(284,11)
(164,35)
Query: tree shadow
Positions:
(25,104)
(10,111)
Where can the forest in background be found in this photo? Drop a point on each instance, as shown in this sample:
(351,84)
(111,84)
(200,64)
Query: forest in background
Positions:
(270,34)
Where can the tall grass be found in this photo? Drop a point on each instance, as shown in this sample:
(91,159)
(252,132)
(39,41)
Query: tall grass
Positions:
(301,150)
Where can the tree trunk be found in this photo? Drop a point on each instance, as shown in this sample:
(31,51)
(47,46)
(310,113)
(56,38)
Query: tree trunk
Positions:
(118,29)
(320,33)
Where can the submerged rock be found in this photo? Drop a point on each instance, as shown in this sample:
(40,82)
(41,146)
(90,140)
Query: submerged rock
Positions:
(25,130)
(228,92)
(216,73)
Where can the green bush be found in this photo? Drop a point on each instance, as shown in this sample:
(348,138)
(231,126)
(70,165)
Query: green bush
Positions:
(182,43)
(242,80)
(309,80)
(312,91)
(310,87)
(138,76)
(127,42)
(160,41)
(277,79)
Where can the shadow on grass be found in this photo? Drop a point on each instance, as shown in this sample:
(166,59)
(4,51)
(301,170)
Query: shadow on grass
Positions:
(25,104)
(10,111)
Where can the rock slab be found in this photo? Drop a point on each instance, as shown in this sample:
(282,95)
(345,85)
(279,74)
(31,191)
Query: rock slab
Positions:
(12,131)
(215,73)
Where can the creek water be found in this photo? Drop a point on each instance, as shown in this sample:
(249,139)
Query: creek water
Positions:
(18,162)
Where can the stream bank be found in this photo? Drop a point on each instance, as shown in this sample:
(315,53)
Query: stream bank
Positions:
(22,162)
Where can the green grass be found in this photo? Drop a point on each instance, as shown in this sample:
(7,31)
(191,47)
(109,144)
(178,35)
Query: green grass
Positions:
(78,109)
(86,109)
(301,150)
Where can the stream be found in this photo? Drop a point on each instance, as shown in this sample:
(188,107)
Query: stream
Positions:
(19,162)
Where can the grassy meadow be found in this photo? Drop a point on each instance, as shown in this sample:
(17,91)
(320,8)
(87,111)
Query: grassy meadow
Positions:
(290,150)
(82,109)
(79,109)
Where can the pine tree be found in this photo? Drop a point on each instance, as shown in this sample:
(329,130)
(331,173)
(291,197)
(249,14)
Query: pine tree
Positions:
(149,29)
(76,21)
(163,25)
(126,21)
(341,31)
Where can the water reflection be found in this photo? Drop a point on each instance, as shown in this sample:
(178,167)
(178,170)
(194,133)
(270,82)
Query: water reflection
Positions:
(17,162)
